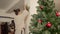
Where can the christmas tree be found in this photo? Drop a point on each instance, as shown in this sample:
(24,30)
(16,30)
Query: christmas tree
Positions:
(47,19)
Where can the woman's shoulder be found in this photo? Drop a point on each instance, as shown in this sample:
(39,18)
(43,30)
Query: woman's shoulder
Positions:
(25,12)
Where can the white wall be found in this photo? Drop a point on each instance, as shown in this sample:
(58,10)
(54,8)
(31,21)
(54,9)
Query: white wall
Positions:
(57,4)
(33,4)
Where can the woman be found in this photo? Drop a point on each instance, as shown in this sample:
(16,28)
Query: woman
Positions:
(20,22)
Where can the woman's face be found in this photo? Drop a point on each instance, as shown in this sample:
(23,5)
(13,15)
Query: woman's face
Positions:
(17,11)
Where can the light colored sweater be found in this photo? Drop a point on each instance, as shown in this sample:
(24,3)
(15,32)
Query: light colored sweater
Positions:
(20,21)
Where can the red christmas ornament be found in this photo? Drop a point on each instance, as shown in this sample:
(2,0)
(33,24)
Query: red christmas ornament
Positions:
(39,21)
(48,25)
(41,7)
(57,13)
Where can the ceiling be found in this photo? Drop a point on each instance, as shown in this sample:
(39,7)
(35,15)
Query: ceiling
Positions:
(5,4)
